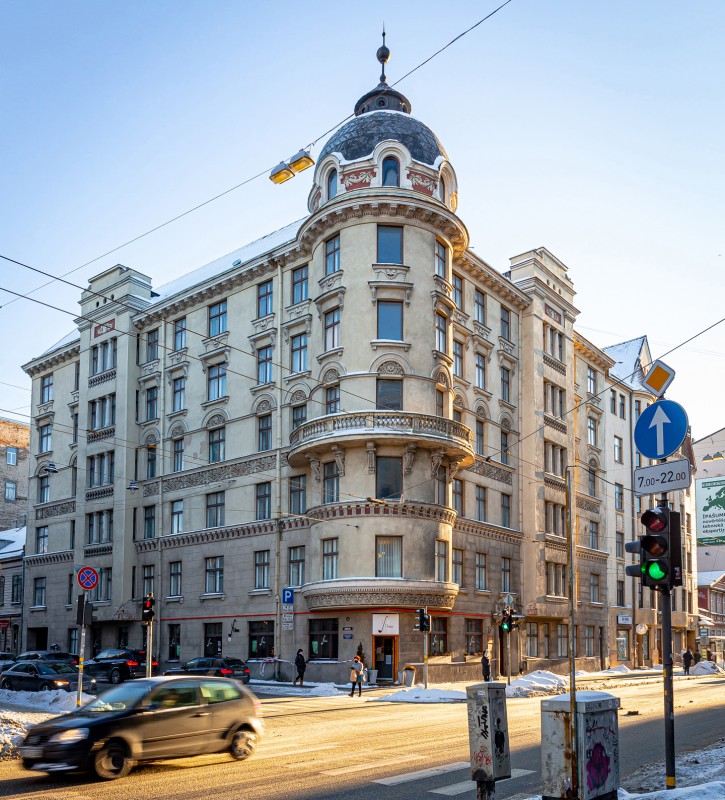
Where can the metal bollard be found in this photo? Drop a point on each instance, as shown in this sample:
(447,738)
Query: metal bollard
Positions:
(488,736)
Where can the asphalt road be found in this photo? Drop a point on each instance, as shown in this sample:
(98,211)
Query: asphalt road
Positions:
(344,748)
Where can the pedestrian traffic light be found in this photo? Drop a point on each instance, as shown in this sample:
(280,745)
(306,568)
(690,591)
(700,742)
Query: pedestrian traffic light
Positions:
(655,548)
(148,613)
(423,620)
(506,621)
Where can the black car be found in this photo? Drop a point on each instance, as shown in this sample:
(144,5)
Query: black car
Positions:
(49,655)
(6,660)
(40,676)
(221,667)
(119,665)
(145,720)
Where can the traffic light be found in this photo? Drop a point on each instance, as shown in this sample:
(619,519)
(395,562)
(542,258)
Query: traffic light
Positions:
(514,619)
(148,613)
(423,620)
(507,622)
(659,549)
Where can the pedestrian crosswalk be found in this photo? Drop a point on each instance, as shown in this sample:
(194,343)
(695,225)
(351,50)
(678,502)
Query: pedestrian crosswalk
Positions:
(453,789)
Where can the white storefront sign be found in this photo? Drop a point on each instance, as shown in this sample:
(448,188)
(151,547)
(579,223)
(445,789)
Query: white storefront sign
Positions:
(386,624)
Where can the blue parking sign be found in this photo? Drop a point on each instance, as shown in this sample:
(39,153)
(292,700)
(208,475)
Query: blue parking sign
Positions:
(288,596)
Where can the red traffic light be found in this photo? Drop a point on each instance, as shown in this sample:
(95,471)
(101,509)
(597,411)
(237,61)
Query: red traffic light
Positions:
(656,519)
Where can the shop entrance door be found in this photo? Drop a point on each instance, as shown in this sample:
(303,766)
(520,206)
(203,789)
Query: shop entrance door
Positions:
(385,657)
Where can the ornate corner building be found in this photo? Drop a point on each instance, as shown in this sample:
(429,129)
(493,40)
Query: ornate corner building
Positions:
(357,408)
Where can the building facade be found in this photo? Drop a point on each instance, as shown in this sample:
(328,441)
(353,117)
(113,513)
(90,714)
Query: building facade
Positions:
(14,444)
(355,417)
(12,550)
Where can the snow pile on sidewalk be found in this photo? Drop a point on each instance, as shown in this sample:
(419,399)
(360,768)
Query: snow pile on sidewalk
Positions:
(287,689)
(705,668)
(539,682)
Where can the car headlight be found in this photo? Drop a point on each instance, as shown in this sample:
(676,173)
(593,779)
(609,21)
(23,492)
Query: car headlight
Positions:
(70,736)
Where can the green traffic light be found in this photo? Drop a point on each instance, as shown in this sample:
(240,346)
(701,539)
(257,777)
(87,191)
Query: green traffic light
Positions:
(656,570)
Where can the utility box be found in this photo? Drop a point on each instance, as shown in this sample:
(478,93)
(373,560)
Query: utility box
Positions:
(597,736)
(488,732)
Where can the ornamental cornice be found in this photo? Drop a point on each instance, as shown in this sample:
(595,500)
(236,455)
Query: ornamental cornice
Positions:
(49,558)
(587,505)
(95,550)
(488,531)
(33,368)
(207,475)
(207,535)
(556,424)
(491,279)
(554,363)
(55,509)
(362,508)
(554,483)
(482,466)
(591,353)
(355,592)
(591,555)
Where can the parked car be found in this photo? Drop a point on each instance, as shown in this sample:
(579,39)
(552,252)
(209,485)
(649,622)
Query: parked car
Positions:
(40,676)
(117,665)
(147,719)
(6,660)
(48,655)
(221,667)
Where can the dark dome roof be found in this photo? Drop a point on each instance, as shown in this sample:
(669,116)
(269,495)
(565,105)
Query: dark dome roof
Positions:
(359,137)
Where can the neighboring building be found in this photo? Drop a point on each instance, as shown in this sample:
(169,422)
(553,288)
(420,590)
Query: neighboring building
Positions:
(356,407)
(14,444)
(12,548)
(711,601)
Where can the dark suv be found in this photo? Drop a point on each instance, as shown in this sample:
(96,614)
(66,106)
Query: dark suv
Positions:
(119,664)
(48,655)
(220,667)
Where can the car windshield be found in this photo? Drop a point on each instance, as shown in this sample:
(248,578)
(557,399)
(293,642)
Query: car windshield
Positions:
(234,662)
(120,698)
(56,669)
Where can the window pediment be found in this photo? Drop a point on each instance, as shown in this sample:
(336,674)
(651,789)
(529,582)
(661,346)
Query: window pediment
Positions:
(293,327)
(335,298)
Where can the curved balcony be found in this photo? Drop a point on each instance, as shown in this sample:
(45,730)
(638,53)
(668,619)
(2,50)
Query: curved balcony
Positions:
(453,438)
(379,592)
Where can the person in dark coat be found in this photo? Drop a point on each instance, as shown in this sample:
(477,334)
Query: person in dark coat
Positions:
(486,667)
(301,665)
(687,660)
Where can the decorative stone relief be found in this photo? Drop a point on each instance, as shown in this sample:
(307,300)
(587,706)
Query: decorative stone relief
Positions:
(315,203)
(298,397)
(371,457)
(359,179)
(422,182)
(331,376)
(263,407)
(217,474)
(177,432)
(56,510)
(315,467)
(435,461)
(587,505)
(454,465)
(339,453)
(441,376)
(216,421)
(408,458)
(488,470)
(390,368)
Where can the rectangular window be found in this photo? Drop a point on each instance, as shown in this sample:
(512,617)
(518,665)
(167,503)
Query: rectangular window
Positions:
(441,259)
(263,500)
(261,569)
(441,560)
(332,255)
(593,535)
(296,566)
(591,380)
(613,401)
(505,385)
(330,482)
(618,450)
(300,284)
(41,539)
(45,438)
(175,579)
(299,416)
(390,320)
(480,361)
(480,437)
(619,496)
(504,447)
(174,634)
(479,307)
(562,641)
(298,494)
(458,290)
(217,439)
(178,455)
(589,640)
(457,358)
(149,522)
(622,407)
(438,636)
(11,491)
(102,592)
(389,395)
(506,510)
(388,477)
(214,575)
(323,639)
(637,409)
(180,333)
(390,245)
(481,503)
(388,556)
(457,499)
(441,325)
(264,432)
(177,516)
(440,403)
(11,456)
(619,544)
(592,437)
(474,637)
(46,388)
(594,596)
(505,323)
(481,582)
(103,356)
(218,318)
(44,489)
(329,559)
(215,510)
(265,304)
(39,592)
(620,593)
(332,329)
(16,593)
(298,353)
(152,345)
(216,382)
(261,638)
(151,461)
(179,398)
(332,399)
(442,486)
(152,403)
(532,640)
(505,574)
(457,566)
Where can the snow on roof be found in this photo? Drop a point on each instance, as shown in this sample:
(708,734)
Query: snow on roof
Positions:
(67,339)
(709,578)
(12,542)
(627,368)
(226,263)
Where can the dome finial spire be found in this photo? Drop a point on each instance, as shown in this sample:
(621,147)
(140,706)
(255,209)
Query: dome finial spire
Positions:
(383,56)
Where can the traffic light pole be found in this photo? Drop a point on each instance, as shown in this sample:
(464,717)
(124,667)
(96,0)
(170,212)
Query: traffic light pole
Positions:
(666,592)
(82,653)
(149,647)
(425,652)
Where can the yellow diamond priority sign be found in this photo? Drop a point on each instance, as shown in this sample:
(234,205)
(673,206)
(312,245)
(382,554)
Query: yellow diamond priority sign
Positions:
(659,377)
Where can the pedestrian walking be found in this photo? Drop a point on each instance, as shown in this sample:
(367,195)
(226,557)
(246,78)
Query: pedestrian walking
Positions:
(687,660)
(301,665)
(486,667)
(356,676)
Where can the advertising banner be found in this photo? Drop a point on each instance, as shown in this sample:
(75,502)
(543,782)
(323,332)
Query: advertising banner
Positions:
(710,498)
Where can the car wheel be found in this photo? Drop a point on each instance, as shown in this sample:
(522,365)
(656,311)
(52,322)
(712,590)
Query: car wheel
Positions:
(115,675)
(244,743)
(45,687)
(6,685)
(112,761)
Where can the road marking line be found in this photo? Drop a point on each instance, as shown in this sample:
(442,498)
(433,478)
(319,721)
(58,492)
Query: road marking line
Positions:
(466,786)
(272,752)
(372,765)
(423,773)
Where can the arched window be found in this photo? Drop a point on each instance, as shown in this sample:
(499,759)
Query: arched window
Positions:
(332,184)
(442,189)
(391,171)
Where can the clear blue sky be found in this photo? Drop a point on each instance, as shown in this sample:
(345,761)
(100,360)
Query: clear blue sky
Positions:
(594,129)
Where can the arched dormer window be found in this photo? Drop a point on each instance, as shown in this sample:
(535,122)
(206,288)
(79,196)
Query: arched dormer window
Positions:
(442,189)
(391,171)
(332,184)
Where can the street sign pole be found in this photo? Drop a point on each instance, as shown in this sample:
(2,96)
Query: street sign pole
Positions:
(670,777)
(425,652)
(82,653)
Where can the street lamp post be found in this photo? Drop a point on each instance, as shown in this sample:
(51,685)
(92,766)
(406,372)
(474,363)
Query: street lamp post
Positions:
(570,533)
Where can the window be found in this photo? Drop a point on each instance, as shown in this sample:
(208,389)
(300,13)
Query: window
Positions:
(299,416)
(457,566)
(178,455)
(458,290)
(44,489)
(391,171)
(622,407)
(505,323)
(102,412)
(329,559)
(298,494)
(613,401)
(480,361)
(504,447)
(481,582)
(39,592)
(440,403)
(480,438)
(532,640)
(263,500)
(177,516)
(637,409)
(332,255)
(74,436)
(592,481)
(618,450)
(388,477)
(99,527)
(45,438)
(592,437)
(389,395)
(594,596)
(11,491)
(505,385)
(481,503)
(149,522)
(441,486)
(593,535)
(619,496)
(215,510)
(180,333)
(332,399)
(620,593)
(179,394)
(264,432)
(214,575)
(390,320)
(99,469)
(505,574)
(619,544)
(103,356)
(479,306)
(298,353)
(213,639)
(441,560)
(562,641)
(216,382)
(591,380)
(332,329)
(438,636)
(441,325)
(217,437)
(102,592)
(152,403)
(323,638)
(331,184)
(506,510)
(457,358)
(457,499)
(261,638)
(300,289)
(265,304)
(474,636)
(151,461)
(441,259)
(388,556)
(261,569)
(41,539)
(152,345)
(175,579)
(218,318)
(390,245)
(296,566)
(11,456)
(46,388)
(330,482)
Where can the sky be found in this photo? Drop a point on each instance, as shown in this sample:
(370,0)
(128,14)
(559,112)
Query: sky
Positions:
(593,129)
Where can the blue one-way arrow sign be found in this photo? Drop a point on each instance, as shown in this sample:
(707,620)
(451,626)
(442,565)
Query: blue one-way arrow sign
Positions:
(660,429)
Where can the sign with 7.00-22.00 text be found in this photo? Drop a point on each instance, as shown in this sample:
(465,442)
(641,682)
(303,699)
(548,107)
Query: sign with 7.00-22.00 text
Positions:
(662,477)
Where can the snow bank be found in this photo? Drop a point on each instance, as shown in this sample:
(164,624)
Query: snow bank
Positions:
(705,668)
(539,682)
(417,694)
(308,690)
